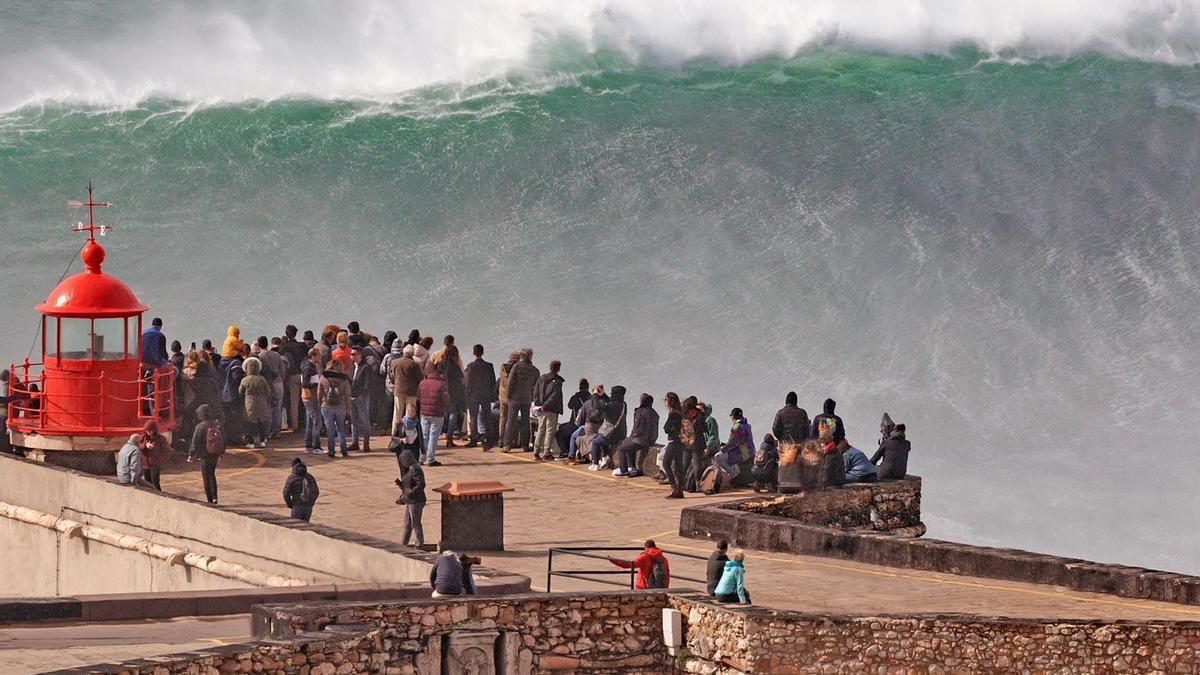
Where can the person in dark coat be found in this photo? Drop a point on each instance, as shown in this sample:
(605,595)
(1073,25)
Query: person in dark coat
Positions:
(412,487)
(360,400)
(612,430)
(300,491)
(481,392)
(643,435)
(716,566)
(892,455)
(835,428)
(521,381)
(199,448)
(458,393)
(791,422)
(672,460)
(548,396)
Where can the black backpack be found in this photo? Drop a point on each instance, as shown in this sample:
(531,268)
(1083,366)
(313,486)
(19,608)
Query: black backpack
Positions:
(658,574)
(332,394)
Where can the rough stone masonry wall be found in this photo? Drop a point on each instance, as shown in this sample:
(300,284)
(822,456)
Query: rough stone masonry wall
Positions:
(883,506)
(727,640)
(604,632)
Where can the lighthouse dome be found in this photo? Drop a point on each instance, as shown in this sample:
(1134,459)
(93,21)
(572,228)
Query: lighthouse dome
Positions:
(91,293)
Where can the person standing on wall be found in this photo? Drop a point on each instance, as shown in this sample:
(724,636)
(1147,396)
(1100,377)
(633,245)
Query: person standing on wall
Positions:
(300,491)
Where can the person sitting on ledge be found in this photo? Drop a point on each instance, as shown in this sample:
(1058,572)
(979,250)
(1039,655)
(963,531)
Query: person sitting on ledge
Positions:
(766,466)
(716,566)
(893,452)
(731,587)
(653,571)
(446,577)
(859,469)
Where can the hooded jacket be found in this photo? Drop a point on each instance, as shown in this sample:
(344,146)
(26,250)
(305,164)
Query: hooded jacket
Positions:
(741,441)
(645,425)
(615,413)
(199,445)
(256,392)
(205,388)
(232,346)
(385,368)
(712,432)
(154,452)
(433,396)
(791,424)
(548,393)
(643,564)
(732,579)
(894,453)
(839,433)
(293,487)
(521,381)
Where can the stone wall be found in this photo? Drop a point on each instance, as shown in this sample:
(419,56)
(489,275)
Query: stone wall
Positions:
(727,640)
(893,505)
(763,532)
(603,632)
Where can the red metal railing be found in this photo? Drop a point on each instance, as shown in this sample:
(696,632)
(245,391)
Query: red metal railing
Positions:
(27,408)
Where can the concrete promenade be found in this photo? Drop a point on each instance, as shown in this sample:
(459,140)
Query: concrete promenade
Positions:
(557,505)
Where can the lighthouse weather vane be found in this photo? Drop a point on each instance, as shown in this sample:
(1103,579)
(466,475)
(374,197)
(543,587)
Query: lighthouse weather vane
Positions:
(91,228)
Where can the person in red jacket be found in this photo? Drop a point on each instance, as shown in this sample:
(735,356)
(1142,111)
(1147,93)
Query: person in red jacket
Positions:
(433,399)
(653,571)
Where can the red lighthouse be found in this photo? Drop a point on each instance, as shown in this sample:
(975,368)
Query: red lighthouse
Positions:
(92,390)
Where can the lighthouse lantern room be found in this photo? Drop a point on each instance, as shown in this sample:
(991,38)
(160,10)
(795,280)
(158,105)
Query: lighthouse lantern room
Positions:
(90,391)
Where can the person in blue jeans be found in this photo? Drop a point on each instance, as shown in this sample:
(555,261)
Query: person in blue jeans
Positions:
(333,391)
(360,401)
(310,377)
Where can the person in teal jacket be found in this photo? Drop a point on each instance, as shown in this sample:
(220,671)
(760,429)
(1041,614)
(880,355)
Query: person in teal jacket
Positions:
(731,587)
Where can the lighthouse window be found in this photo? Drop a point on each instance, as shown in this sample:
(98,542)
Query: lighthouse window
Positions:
(108,339)
(73,339)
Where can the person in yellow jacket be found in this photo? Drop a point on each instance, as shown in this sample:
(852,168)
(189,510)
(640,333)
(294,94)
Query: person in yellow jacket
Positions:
(233,344)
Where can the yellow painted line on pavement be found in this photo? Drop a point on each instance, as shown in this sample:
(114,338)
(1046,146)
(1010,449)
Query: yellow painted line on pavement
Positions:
(259,460)
(950,582)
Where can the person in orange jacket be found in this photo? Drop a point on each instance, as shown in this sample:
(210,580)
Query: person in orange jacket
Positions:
(653,570)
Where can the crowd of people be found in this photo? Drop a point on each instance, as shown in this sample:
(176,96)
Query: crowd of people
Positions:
(346,385)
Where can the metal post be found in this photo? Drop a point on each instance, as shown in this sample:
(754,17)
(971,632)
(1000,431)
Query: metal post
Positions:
(549,568)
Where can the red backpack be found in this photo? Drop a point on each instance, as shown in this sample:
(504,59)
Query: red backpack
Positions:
(214,440)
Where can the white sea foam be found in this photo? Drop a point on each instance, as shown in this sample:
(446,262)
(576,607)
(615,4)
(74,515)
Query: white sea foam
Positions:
(119,55)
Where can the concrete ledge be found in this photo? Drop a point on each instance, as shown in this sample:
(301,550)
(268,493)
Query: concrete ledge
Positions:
(29,610)
(746,529)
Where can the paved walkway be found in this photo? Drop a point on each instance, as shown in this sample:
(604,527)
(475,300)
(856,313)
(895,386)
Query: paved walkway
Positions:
(556,505)
(42,647)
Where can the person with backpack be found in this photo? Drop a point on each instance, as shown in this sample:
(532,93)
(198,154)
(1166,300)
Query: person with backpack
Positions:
(731,587)
(766,466)
(653,570)
(412,496)
(739,449)
(643,435)
(694,445)
(672,459)
(300,491)
(892,455)
(333,391)
(256,392)
(828,425)
(208,443)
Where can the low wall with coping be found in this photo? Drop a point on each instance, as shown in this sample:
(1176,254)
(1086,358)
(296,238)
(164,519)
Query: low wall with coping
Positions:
(73,534)
(727,639)
(740,524)
(622,632)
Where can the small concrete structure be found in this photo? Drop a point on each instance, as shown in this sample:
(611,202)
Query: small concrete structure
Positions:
(473,515)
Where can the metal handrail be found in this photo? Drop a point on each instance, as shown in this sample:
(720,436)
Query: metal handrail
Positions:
(155,399)
(585,552)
